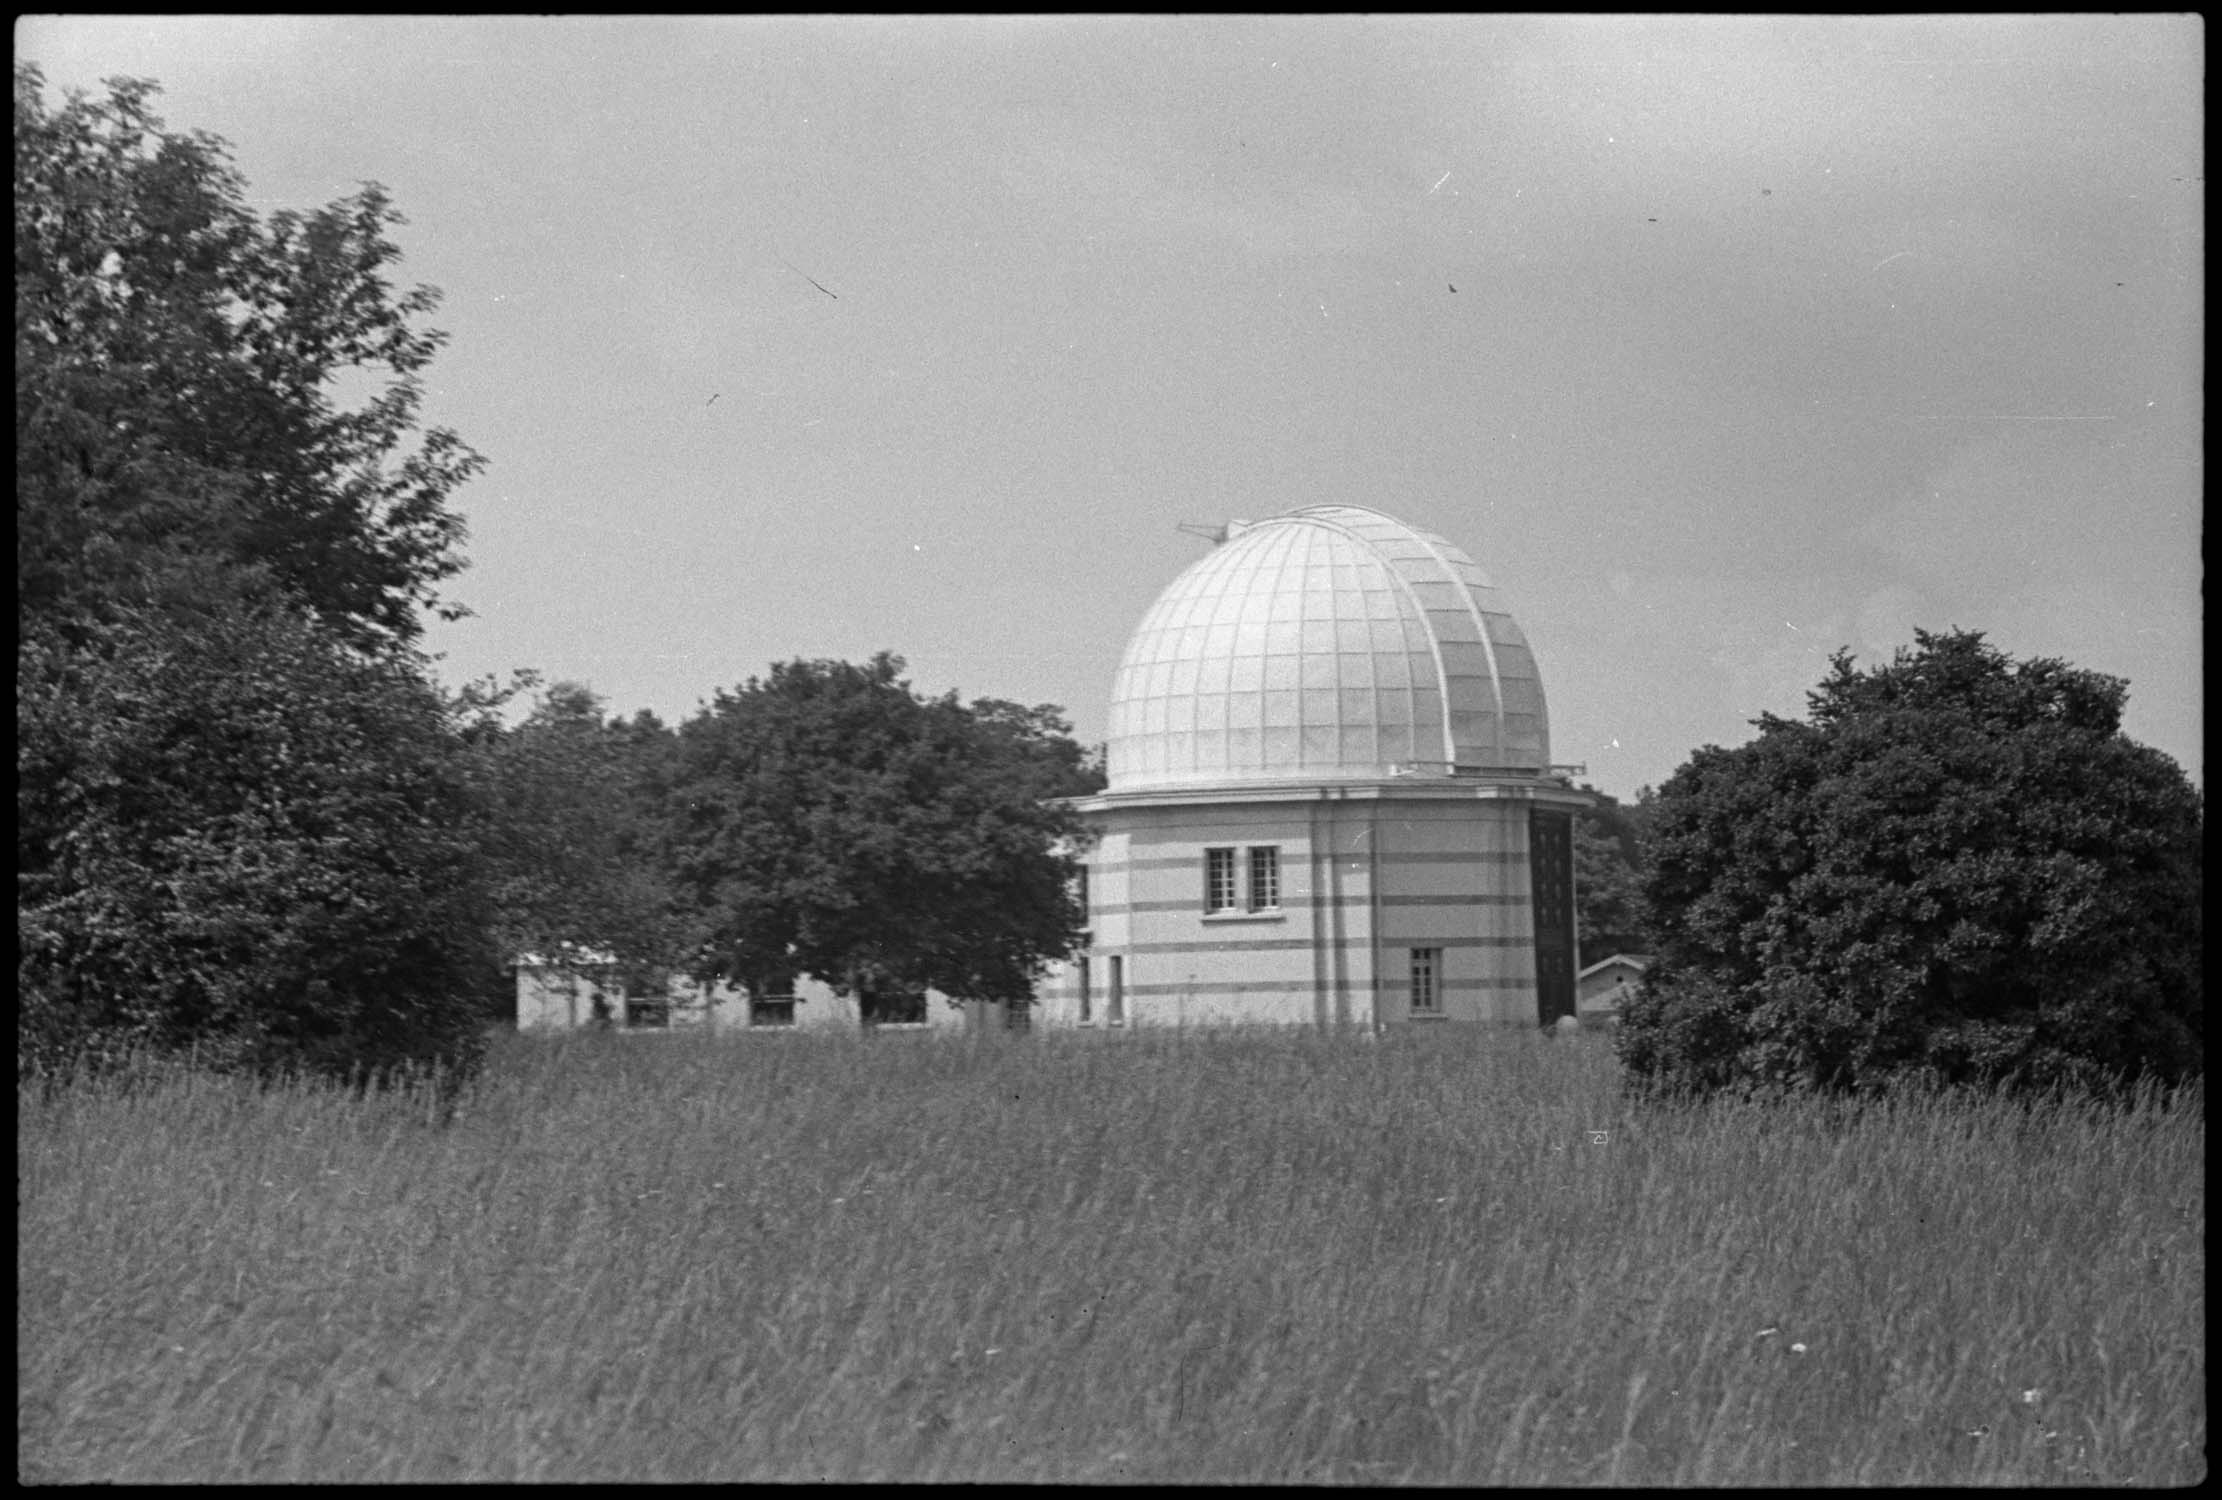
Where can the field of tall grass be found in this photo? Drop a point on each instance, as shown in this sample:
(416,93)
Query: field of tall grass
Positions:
(1444,1257)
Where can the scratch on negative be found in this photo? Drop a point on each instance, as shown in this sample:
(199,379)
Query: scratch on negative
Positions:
(1438,184)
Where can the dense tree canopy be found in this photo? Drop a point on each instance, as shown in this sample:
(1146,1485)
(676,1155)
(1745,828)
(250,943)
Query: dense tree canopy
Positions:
(830,821)
(1956,866)
(245,819)
(241,837)
(1608,876)
(574,835)
(178,362)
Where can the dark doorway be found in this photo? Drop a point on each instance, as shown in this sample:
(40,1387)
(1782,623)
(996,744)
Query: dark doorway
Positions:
(1551,877)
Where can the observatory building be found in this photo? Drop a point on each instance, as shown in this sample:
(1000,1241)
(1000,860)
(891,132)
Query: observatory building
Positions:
(1330,798)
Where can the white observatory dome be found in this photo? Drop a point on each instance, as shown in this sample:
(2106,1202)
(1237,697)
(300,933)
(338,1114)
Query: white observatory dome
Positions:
(1333,643)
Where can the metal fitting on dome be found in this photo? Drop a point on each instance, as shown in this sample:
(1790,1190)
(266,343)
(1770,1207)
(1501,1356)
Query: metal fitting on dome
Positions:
(1216,535)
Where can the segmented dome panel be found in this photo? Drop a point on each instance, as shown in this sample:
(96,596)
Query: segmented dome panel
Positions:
(1331,643)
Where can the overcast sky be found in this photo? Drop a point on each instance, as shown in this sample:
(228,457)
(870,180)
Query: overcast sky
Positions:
(1720,344)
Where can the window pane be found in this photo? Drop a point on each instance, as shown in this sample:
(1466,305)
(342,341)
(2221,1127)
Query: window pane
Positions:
(1219,880)
(1265,879)
(1426,992)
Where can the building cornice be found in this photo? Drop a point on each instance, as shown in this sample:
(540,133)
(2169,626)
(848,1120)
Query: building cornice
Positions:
(1391,789)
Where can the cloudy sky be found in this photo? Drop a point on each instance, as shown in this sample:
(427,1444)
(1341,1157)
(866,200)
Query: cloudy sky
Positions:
(1720,344)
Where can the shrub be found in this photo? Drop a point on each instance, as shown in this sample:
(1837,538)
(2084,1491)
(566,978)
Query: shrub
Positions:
(1956,868)
(239,836)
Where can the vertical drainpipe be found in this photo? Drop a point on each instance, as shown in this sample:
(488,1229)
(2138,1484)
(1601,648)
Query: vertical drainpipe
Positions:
(1373,915)
(1319,917)
(1339,929)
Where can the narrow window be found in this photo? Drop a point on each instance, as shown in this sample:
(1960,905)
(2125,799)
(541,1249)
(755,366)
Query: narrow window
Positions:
(1219,881)
(1265,879)
(1087,999)
(1080,889)
(1427,994)
(1114,1008)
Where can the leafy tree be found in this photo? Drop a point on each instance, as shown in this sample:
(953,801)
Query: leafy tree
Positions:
(1608,878)
(574,834)
(1956,867)
(237,835)
(177,370)
(830,821)
(244,822)
(1041,738)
